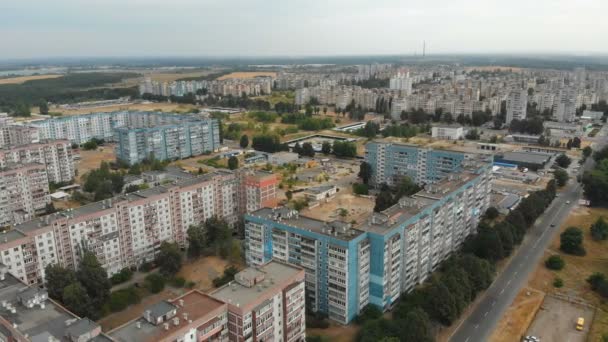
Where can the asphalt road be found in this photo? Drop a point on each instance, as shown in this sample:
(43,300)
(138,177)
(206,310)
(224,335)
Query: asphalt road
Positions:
(481,322)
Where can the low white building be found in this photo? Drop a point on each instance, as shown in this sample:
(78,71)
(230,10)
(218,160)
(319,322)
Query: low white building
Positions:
(282,158)
(448,132)
(320,193)
(592,115)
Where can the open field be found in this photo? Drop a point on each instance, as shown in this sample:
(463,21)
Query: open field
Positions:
(556,321)
(520,315)
(117,319)
(202,271)
(23,79)
(576,271)
(171,76)
(247,74)
(163,107)
(90,160)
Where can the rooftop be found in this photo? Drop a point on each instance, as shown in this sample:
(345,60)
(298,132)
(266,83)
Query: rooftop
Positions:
(527,157)
(337,229)
(270,278)
(37,322)
(196,305)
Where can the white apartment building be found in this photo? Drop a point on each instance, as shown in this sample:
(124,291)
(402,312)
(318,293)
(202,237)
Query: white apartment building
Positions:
(24,192)
(398,106)
(517,103)
(56,155)
(401,82)
(448,132)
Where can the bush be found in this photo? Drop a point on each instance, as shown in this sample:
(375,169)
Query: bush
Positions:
(155,282)
(124,275)
(317,321)
(178,282)
(599,230)
(571,241)
(558,282)
(555,262)
(120,299)
(146,267)
(360,189)
(492,213)
(227,277)
(370,312)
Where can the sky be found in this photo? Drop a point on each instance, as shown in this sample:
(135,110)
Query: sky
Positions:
(199,28)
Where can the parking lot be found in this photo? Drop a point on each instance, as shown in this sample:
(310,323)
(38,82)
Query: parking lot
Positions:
(556,321)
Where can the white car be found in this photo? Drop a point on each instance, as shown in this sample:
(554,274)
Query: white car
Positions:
(567,202)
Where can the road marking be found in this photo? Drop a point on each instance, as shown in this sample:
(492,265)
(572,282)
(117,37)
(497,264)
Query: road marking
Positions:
(476,326)
(493,303)
(515,273)
(509,282)
(501,291)
(485,314)
(467,340)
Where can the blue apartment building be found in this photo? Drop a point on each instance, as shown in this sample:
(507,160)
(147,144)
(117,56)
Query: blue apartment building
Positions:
(349,266)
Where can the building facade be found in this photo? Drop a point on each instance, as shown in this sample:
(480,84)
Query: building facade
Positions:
(392,161)
(24,192)
(56,155)
(517,105)
(123,231)
(266,303)
(348,267)
(454,132)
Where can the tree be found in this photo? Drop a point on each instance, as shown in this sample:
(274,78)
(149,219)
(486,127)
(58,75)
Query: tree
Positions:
(472,134)
(76,298)
(289,195)
(599,230)
(43,107)
(154,282)
(555,262)
(480,271)
(197,240)
(244,141)
(487,244)
(169,259)
(441,304)
(416,327)
(491,213)
(233,163)
(365,172)
(587,151)
(368,313)
(561,177)
(571,241)
(505,234)
(89,145)
(576,142)
(57,278)
(94,279)
(360,189)
(563,160)
(308,150)
(326,147)
(344,149)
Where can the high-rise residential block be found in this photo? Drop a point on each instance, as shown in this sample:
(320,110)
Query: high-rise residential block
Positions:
(349,266)
(517,105)
(392,161)
(265,303)
(24,192)
(123,231)
(56,155)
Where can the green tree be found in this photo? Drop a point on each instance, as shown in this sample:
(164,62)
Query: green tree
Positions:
(365,172)
(57,278)
(154,282)
(244,141)
(308,150)
(558,282)
(561,177)
(480,272)
(326,147)
(416,327)
(587,151)
(360,189)
(43,107)
(76,298)
(505,234)
(94,279)
(233,163)
(599,230)
(169,259)
(571,241)
(563,160)
(370,312)
(458,283)
(491,213)
(197,240)
(441,304)
(487,244)
(555,262)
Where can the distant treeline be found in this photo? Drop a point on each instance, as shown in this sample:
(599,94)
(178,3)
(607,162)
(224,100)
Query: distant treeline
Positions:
(77,87)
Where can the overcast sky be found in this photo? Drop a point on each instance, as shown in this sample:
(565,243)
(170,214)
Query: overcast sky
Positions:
(60,28)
